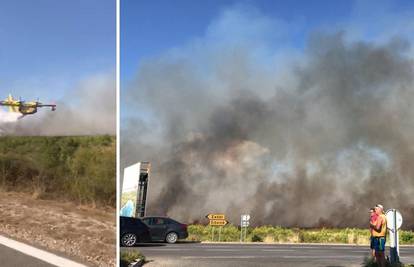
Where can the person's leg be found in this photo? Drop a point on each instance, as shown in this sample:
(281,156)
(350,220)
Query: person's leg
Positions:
(379,258)
(372,247)
(380,252)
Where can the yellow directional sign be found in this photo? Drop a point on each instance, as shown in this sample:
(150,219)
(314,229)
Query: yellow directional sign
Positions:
(218,222)
(213,216)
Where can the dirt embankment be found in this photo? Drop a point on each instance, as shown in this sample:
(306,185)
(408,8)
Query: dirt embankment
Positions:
(84,233)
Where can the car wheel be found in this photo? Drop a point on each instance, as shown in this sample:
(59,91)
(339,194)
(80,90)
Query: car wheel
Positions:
(128,240)
(171,238)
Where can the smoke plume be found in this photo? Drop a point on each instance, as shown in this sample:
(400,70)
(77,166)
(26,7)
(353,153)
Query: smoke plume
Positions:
(231,127)
(88,109)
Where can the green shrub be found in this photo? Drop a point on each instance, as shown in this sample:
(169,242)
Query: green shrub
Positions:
(198,232)
(406,237)
(81,169)
(292,235)
(127,257)
(257,238)
(369,262)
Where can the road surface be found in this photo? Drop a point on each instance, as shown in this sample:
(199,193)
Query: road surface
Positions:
(12,258)
(16,254)
(233,254)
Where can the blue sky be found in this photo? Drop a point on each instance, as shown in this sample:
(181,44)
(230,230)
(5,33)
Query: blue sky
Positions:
(48,47)
(150,28)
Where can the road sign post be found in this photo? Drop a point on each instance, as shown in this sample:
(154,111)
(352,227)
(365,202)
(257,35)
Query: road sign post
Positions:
(244,223)
(220,233)
(216,220)
(394,222)
(241,233)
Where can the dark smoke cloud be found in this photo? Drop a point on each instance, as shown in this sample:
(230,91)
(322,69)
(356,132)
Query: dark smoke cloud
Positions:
(314,142)
(88,109)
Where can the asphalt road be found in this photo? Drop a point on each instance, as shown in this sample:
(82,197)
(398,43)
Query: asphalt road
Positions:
(233,254)
(17,254)
(12,258)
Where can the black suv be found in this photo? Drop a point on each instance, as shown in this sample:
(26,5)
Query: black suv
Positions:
(165,229)
(132,231)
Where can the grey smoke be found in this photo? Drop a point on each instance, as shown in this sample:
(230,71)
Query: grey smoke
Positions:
(314,143)
(88,109)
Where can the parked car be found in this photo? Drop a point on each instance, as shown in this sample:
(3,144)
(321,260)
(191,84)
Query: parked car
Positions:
(165,229)
(133,231)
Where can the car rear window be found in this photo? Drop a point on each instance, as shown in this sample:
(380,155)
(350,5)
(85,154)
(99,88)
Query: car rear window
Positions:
(159,221)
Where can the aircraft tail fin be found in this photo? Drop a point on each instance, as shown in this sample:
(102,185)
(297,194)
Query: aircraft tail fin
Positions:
(12,108)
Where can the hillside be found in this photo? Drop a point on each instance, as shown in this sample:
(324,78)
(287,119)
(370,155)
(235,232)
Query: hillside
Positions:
(80,169)
(82,233)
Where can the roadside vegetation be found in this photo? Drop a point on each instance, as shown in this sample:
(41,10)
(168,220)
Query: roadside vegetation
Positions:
(369,262)
(80,169)
(270,234)
(130,256)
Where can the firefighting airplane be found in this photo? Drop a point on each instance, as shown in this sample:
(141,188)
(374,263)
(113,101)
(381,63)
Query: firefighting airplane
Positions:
(23,107)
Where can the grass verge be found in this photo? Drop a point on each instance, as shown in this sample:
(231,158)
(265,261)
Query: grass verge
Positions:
(128,257)
(277,234)
(369,262)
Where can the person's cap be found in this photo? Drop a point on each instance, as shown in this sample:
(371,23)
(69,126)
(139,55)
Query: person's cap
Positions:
(379,206)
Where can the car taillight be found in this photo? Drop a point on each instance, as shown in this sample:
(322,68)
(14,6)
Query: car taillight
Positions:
(184,226)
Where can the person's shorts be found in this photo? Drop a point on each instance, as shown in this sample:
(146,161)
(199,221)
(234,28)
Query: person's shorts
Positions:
(379,244)
(371,242)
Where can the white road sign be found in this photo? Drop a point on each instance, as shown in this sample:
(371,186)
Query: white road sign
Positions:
(245,217)
(390,219)
(245,224)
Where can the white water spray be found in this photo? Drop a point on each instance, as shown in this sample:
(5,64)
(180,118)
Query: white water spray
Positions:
(9,117)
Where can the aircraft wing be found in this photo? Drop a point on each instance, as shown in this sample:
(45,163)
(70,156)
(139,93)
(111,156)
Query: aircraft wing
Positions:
(5,103)
(53,106)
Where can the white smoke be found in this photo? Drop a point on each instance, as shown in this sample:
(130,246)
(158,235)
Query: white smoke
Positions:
(318,137)
(87,109)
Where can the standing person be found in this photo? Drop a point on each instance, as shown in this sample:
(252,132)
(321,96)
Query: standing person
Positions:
(379,233)
(372,220)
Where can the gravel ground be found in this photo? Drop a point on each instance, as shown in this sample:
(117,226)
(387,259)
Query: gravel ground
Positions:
(83,233)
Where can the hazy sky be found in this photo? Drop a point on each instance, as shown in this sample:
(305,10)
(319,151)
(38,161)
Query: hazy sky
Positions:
(48,47)
(154,30)
(149,28)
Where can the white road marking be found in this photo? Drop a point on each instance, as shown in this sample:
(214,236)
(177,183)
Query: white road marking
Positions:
(218,246)
(327,247)
(321,256)
(253,257)
(355,251)
(367,248)
(222,249)
(278,250)
(168,249)
(217,257)
(38,253)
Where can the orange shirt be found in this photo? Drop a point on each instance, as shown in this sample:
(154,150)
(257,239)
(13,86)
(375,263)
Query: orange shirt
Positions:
(373,220)
(383,231)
